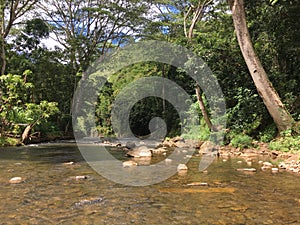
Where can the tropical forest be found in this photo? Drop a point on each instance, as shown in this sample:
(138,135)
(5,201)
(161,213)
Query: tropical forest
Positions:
(198,100)
(45,51)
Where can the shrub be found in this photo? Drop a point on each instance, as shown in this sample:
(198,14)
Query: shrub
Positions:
(287,142)
(7,141)
(241,141)
(268,134)
(198,132)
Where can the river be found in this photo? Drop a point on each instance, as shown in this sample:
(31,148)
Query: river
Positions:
(51,194)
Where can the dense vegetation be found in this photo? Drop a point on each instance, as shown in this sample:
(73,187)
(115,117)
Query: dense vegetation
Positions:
(38,80)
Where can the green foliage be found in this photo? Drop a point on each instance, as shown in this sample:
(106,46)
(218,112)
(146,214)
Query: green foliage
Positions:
(198,132)
(286,142)
(241,141)
(268,134)
(247,115)
(7,141)
(13,93)
(48,128)
(15,108)
(36,113)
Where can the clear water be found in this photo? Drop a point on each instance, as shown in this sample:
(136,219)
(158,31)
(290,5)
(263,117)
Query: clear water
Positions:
(50,193)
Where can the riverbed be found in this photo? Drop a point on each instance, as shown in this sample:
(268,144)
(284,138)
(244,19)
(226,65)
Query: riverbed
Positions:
(59,187)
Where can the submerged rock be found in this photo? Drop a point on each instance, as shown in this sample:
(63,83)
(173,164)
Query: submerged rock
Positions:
(85,202)
(247,169)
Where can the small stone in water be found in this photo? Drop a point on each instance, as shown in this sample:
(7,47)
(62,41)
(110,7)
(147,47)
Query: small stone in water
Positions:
(16,180)
(275,170)
(168,160)
(197,184)
(247,169)
(129,163)
(81,177)
(181,167)
(267,164)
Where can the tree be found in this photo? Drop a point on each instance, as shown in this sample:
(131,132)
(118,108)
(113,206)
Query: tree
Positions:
(88,29)
(10,12)
(196,12)
(270,97)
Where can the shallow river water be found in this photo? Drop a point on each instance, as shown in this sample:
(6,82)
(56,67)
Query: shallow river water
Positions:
(51,195)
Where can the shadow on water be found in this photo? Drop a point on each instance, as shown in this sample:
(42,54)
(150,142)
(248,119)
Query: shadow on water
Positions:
(51,194)
(51,152)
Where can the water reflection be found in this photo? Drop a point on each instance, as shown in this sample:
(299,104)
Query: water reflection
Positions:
(51,193)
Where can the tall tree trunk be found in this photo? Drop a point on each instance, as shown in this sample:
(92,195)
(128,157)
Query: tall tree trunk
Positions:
(202,108)
(197,15)
(2,56)
(270,97)
(2,38)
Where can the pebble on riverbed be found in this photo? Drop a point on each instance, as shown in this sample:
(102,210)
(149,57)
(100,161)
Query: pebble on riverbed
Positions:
(81,177)
(88,202)
(197,184)
(247,169)
(129,164)
(16,180)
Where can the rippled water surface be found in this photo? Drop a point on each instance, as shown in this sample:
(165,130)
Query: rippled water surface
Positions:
(50,193)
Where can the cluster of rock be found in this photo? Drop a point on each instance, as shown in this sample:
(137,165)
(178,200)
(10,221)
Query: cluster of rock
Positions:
(290,161)
(292,164)
(142,154)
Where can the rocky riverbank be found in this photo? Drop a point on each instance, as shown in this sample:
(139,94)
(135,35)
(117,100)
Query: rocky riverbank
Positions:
(268,159)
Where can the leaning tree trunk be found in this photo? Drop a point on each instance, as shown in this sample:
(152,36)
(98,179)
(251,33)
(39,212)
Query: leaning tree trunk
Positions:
(26,133)
(270,97)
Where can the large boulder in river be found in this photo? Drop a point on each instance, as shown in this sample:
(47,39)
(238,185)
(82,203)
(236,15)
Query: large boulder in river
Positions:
(140,151)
